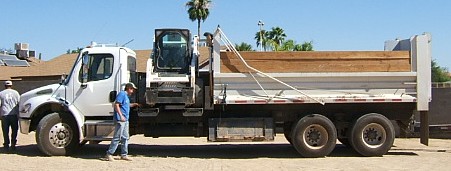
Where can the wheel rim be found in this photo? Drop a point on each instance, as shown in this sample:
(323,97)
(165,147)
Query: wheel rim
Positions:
(374,135)
(60,135)
(315,136)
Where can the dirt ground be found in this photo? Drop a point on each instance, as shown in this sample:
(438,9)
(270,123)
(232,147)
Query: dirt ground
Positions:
(186,153)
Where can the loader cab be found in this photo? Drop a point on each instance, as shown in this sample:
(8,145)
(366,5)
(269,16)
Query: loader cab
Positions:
(171,52)
(171,69)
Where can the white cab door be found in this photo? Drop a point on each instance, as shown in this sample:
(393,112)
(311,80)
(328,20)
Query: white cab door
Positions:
(92,97)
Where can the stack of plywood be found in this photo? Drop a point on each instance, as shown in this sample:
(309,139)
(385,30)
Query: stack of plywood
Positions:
(316,61)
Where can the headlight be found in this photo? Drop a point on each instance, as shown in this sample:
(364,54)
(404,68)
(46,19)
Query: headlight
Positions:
(26,108)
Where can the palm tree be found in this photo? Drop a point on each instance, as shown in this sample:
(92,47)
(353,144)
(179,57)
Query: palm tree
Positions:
(261,36)
(277,36)
(198,10)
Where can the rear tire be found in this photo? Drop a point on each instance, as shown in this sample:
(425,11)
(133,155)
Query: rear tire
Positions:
(57,135)
(314,136)
(372,135)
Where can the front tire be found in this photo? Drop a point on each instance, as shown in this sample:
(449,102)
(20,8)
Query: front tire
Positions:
(314,136)
(57,135)
(372,135)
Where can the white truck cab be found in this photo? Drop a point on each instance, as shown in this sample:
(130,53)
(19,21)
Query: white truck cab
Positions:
(103,69)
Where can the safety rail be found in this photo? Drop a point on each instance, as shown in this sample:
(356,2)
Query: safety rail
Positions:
(441,85)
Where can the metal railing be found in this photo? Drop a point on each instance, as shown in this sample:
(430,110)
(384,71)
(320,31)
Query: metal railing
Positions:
(441,85)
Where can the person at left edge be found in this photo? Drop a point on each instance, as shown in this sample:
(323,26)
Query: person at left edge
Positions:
(9,110)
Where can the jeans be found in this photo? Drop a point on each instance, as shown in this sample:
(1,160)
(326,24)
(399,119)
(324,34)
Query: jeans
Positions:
(120,135)
(10,121)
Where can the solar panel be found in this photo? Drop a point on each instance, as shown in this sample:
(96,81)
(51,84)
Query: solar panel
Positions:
(11,57)
(15,62)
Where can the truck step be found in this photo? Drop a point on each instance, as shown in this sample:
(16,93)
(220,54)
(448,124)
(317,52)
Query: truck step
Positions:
(98,130)
(153,112)
(149,112)
(240,129)
(193,112)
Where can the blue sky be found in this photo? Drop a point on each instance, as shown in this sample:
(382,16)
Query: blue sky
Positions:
(52,27)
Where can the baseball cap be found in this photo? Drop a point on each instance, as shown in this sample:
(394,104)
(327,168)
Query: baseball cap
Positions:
(131,85)
(8,83)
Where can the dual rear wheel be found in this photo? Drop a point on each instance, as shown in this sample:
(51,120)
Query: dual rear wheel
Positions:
(315,135)
(372,135)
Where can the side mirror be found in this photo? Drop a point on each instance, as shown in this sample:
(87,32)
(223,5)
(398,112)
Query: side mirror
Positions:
(63,78)
(85,69)
(209,39)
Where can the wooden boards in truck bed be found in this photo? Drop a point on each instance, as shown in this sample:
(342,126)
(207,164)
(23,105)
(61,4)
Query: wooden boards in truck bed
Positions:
(318,61)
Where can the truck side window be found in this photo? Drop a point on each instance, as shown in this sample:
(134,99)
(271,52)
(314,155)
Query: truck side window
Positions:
(99,67)
(131,63)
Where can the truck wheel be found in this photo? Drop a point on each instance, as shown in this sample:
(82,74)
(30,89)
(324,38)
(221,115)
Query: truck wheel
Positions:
(57,135)
(372,135)
(314,136)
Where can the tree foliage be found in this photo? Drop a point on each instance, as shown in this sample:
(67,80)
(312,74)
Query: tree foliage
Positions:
(439,74)
(277,36)
(275,40)
(198,10)
(243,47)
(306,46)
(288,45)
(78,50)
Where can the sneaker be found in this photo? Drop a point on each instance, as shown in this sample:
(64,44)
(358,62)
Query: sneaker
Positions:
(109,157)
(126,158)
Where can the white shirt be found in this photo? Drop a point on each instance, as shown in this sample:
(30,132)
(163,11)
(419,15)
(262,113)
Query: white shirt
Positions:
(9,102)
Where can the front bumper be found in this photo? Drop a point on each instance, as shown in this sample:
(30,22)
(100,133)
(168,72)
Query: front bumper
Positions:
(24,124)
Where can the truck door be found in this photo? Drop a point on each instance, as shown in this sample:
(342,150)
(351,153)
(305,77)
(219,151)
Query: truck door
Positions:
(95,80)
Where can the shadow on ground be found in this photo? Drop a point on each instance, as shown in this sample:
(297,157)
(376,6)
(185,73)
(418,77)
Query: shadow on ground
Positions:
(220,151)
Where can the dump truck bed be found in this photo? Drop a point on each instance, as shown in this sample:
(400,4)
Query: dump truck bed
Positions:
(398,74)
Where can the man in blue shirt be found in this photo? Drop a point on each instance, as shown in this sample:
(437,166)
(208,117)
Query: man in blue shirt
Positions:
(121,115)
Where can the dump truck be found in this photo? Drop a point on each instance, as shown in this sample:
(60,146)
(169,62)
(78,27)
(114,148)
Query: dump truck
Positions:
(314,98)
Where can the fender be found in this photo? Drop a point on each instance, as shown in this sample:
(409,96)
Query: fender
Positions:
(37,102)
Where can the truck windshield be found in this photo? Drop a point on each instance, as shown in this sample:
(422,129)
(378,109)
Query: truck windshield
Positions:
(68,77)
(173,50)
